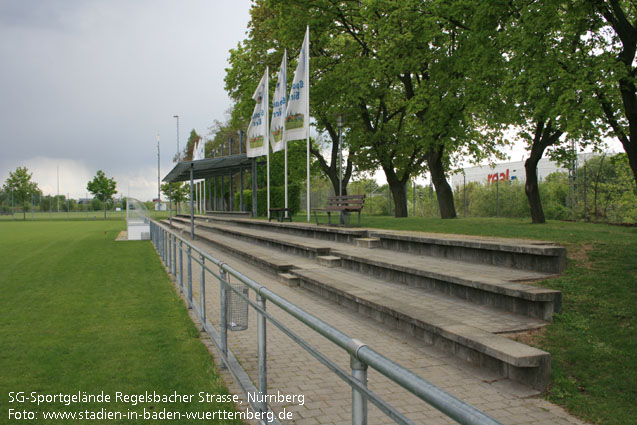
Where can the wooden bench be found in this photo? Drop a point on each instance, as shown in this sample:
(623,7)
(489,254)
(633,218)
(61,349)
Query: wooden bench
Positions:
(280,214)
(342,204)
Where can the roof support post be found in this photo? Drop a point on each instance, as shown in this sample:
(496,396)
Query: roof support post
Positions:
(192,204)
(223,193)
(216,197)
(231,196)
(254,187)
(170,203)
(241,208)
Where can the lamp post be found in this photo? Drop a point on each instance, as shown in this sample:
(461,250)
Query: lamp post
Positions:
(177,117)
(339,122)
(158,185)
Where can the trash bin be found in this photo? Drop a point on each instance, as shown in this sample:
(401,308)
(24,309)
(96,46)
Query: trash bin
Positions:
(237,308)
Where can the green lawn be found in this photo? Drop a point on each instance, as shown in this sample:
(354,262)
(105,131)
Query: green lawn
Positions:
(75,216)
(81,312)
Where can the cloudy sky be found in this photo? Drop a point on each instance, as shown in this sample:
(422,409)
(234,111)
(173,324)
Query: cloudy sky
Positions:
(87,85)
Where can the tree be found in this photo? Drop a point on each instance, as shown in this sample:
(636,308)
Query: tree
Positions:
(396,70)
(102,188)
(180,192)
(263,46)
(19,183)
(189,150)
(613,47)
(549,102)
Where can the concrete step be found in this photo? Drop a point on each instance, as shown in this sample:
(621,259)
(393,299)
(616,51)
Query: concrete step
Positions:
(266,258)
(520,254)
(287,243)
(329,261)
(469,333)
(289,279)
(458,327)
(367,242)
(523,254)
(480,283)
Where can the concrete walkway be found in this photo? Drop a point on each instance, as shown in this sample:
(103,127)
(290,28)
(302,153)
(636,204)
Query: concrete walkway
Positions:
(327,399)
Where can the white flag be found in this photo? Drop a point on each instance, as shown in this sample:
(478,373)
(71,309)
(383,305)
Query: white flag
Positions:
(279,103)
(297,118)
(258,123)
(199,151)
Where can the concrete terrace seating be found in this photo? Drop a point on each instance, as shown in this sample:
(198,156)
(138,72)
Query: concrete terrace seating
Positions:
(455,293)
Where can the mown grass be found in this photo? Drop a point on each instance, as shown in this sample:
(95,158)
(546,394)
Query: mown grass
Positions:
(593,342)
(75,216)
(81,312)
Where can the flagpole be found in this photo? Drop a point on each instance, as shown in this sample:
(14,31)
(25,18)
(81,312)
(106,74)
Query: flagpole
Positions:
(307,118)
(285,142)
(266,136)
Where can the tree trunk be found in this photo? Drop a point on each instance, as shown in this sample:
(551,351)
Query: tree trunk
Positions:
(544,137)
(397,188)
(400,199)
(439,180)
(631,152)
(532,190)
(104,210)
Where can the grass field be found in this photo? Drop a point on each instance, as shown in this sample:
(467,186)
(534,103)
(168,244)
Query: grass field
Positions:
(80,312)
(74,216)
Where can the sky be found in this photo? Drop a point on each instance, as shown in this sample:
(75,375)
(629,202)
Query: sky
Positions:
(86,85)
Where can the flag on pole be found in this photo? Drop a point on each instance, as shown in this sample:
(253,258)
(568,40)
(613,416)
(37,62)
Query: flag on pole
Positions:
(296,117)
(279,103)
(199,151)
(258,123)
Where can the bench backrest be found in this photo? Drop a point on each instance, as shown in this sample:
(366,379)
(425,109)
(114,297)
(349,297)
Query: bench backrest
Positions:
(350,201)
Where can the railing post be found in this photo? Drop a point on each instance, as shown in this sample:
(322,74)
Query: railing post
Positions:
(181,267)
(189,278)
(163,245)
(262,352)
(223,323)
(359,401)
(170,252)
(175,256)
(203,289)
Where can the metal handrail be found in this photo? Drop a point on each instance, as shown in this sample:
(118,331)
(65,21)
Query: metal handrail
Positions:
(361,355)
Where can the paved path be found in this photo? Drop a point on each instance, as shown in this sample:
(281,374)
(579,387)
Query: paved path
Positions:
(327,399)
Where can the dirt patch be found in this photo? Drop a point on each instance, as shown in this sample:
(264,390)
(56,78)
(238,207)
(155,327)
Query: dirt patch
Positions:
(122,236)
(580,255)
(531,337)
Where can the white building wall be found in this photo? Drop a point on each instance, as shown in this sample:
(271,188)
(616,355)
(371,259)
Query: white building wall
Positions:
(509,171)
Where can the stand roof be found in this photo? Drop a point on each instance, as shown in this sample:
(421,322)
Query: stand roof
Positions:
(208,167)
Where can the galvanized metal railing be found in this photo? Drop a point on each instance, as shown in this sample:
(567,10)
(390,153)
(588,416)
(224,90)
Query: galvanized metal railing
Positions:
(171,246)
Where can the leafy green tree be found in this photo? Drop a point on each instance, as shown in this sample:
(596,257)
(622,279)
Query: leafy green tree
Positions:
(102,188)
(610,189)
(22,188)
(549,105)
(396,70)
(188,152)
(611,67)
(180,192)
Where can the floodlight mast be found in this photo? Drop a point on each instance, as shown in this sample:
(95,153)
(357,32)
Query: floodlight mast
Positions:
(177,116)
(158,186)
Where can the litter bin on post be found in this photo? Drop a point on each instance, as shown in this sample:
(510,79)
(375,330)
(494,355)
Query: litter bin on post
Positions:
(237,307)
